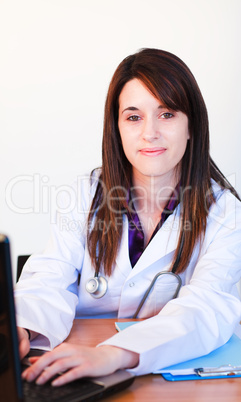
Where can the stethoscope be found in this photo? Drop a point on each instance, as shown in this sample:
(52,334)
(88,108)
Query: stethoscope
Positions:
(98,285)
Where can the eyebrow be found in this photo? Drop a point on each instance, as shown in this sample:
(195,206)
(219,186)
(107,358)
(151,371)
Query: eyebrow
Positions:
(133,108)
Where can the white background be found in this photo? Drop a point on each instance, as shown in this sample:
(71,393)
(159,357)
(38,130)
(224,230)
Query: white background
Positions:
(56,60)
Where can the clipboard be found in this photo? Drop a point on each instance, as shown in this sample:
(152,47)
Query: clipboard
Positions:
(224,362)
(189,377)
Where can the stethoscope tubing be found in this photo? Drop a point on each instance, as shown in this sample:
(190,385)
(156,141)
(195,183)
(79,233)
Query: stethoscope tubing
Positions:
(151,286)
(97,287)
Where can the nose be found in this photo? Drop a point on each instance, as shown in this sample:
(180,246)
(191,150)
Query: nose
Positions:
(150,131)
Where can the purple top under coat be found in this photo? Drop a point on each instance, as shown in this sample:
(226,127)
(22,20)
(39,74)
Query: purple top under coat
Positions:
(136,234)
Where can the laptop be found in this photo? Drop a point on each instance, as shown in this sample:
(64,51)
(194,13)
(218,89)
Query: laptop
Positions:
(12,387)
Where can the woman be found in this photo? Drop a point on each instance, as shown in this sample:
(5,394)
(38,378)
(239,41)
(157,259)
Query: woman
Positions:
(158,204)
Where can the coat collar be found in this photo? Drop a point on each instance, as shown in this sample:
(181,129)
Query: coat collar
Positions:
(162,244)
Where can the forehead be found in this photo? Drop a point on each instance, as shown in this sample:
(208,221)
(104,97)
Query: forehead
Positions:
(135,91)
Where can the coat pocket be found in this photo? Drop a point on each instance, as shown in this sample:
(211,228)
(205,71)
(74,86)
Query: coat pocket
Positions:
(163,290)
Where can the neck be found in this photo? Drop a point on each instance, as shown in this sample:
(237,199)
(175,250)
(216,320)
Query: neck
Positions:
(152,193)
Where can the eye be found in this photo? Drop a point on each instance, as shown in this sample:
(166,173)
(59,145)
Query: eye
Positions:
(167,115)
(134,117)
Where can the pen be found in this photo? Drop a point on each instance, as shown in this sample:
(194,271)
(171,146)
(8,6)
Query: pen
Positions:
(224,371)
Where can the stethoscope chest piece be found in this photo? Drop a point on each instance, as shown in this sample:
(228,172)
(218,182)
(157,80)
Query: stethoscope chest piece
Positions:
(97,286)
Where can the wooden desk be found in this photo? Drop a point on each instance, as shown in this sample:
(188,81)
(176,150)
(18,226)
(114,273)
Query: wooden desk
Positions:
(153,387)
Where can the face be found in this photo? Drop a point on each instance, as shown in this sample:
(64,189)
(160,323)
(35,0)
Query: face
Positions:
(154,138)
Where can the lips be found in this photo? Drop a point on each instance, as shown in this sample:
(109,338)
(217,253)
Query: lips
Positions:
(155,151)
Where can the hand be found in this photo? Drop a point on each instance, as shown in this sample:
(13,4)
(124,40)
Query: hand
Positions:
(76,361)
(24,343)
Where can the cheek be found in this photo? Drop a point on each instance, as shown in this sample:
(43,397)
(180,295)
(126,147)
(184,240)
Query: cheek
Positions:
(182,137)
(127,147)
(124,143)
(126,139)
(182,143)
(182,149)
(179,146)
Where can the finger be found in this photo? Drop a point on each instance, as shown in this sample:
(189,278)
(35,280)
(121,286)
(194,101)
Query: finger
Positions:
(70,375)
(38,364)
(33,359)
(58,367)
(86,369)
(45,361)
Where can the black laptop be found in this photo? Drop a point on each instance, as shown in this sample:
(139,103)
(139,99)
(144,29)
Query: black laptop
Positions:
(12,387)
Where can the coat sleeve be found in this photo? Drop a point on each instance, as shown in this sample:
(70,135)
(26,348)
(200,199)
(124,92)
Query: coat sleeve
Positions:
(46,294)
(208,308)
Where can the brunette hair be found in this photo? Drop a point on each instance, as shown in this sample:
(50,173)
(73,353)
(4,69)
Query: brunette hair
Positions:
(170,81)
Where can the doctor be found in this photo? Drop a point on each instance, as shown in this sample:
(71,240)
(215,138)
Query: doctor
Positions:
(158,205)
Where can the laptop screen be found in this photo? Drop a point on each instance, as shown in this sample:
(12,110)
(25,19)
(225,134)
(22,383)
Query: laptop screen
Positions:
(10,389)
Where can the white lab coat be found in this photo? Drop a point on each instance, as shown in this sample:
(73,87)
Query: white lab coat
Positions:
(202,318)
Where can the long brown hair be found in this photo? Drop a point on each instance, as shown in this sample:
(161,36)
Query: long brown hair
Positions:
(170,81)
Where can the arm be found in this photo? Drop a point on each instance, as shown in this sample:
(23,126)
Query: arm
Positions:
(208,308)
(46,295)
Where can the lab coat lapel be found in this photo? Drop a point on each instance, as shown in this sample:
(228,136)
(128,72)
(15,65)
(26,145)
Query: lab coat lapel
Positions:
(162,244)
(157,257)
(122,259)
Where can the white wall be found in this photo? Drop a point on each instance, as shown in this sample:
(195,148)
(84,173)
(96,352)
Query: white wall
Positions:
(56,60)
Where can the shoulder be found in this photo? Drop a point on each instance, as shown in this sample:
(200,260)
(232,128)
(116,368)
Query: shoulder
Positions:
(226,210)
(84,186)
(76,198)
(223,195)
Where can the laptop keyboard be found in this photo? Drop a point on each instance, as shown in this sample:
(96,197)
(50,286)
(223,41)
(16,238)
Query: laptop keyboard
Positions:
(75,391)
